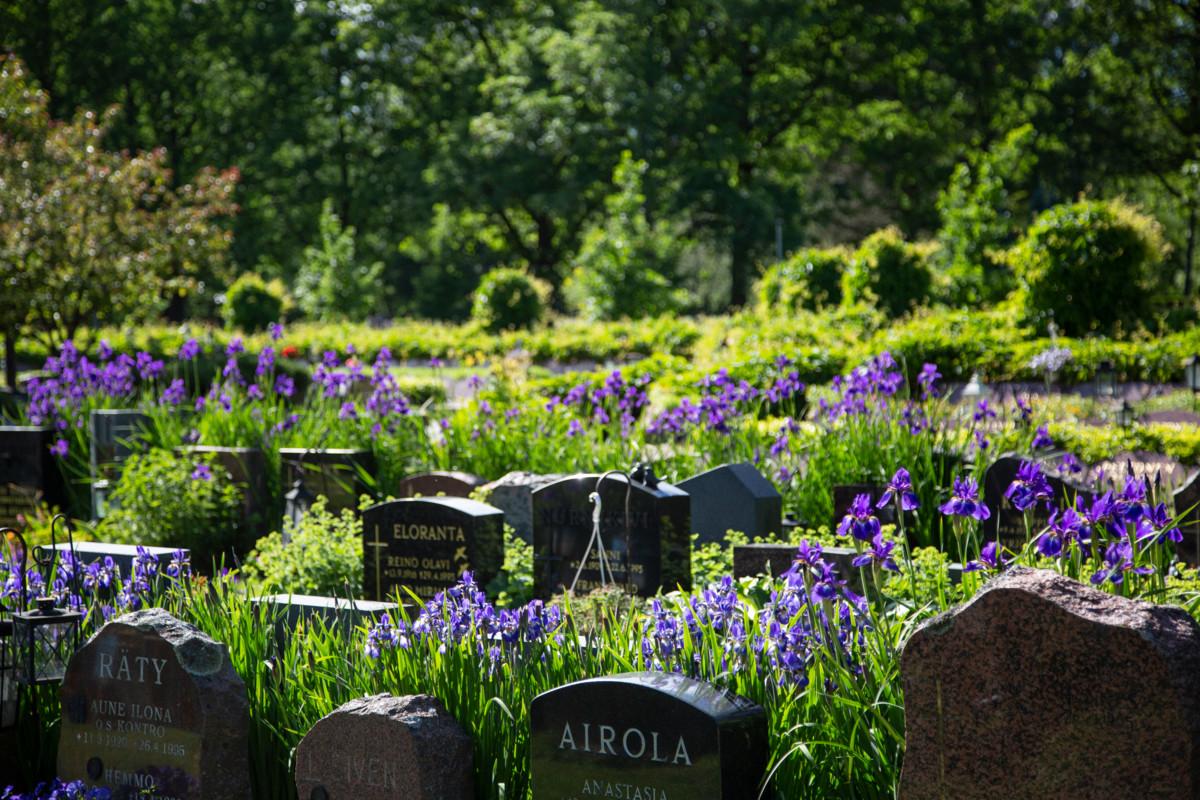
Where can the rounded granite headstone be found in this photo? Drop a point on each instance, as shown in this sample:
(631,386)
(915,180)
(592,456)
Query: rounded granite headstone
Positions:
(1043,687)
(384,747)
(151,707)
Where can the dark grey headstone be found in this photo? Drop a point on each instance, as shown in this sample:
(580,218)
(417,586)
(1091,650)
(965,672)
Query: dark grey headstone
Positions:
(151,703)
(646,734)
(1186,501)
(334,474)
(385,747)
(123,555)
(28,473)
(425,544)
(432,484)
(290,611)
(655,553)
(1007,524)
(733,497)
(772,559)
(247,467)
(116,434)
(513,494)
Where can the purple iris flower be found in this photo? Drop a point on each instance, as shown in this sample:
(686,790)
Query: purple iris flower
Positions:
(59,448)
(991,558)
(266,360)
(1029,487)
(189,350)
(900,486)
(202,472)
(1041,438)
(284,385)
(173,394)
(1069,465)
(880,552)
(1156,525)
(348,411)
(859,521)
(983,411)
(1118,559)
(1065,527)
(276,330)
(574,429)
(964,502)
(234,347)
(928,378)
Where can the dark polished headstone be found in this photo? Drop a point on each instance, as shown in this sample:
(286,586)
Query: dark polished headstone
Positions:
(122,555)
(333,473)
(289,611)
(513,494)
(1186,500)
(383,748)
(116,434)
(425,544)
(247,467)
(432,484)
(28,473)
(733,497)
(151,704)
(1007,523)
(655,553)
(649,735)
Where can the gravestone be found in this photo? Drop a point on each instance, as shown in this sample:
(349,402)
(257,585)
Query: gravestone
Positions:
(733,497)
(1186,500)
(649,735)
(385,747)
(513,494)
(290,611)
(247,467)
(1156,469)
(334,474)
(432,484)
(122,555)
(1170,417)
(152,704)
(426,544)
(115,436)
(1007,523)
(1041,686)
(28,473)
(654,554)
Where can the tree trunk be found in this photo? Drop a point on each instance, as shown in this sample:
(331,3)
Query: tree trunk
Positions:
(739,265)
(10,358)
(1191,249)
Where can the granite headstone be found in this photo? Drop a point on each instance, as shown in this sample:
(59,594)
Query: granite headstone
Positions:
(1043,687)
(652,554)
(335,474)
(1007,523)
(733,497)
(432,484)
(425,544)
(152,707)
(385,747)
(28,473)
(513,494)
(646,734)
(1186,500)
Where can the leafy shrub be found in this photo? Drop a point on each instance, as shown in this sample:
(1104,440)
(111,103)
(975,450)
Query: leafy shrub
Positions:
(888,272)
(251,304)
(1089,266)
(324,555)
(810,278)
(167,499)
(624,266)
(514,585)
(332,283)
(509,298)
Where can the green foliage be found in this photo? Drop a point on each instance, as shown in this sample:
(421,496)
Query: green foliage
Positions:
(251,304)
(514,585)
(323,555)
(333,283)
(1090,266)
(509,298)
(157,501)
(809,278)
(625,265)
(983,210)
(713,560)
(888,272)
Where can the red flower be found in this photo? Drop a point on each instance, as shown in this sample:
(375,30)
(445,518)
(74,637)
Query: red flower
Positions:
(289,351)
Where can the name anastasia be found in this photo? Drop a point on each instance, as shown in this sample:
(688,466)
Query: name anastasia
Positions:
(633,743)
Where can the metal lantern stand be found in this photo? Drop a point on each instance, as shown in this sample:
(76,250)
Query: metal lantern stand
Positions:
(45,637)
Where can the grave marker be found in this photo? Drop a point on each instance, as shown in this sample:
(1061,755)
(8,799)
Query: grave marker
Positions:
(115,436)
(1007,523)
(733,497)
(28,473)
(427,543)
(513,494)
(152,704)
(333,473)
(385,747)
(1003,695)
(1186,501)
(649,735)
(432,484)
(656,553)
(247,467)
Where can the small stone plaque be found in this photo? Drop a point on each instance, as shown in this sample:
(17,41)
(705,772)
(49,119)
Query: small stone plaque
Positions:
(432,484)
(655,553)
(1004,694)
(646,734)
(28,473)
(733,497)
(513,494)
(385,747)
(334,474)
(151,707)
(1007,523)
(426,544)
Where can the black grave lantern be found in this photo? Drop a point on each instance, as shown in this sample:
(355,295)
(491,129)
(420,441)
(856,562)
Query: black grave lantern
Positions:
(1126,416)
(1106,379)
(45,637)
(297,502)
(10,696)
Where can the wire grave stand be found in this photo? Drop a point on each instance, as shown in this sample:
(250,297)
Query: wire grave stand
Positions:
(596,540)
